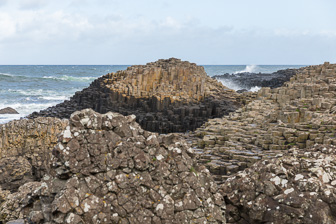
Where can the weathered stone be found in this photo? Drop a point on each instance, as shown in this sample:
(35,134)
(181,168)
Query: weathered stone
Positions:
(156,177)
(293,189)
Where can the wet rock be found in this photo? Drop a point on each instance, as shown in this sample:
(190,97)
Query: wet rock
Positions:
(248,80)
(106,169)
(297,188)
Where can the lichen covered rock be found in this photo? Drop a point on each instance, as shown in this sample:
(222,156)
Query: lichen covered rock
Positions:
(25,149)
(296,188)
(106,169)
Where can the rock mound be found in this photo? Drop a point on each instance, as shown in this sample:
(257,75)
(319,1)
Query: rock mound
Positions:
(296,188)
(8,110)
(106,169)
(166,96)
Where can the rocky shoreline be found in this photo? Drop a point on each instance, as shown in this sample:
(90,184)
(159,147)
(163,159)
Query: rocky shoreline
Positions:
(249,80)
(270,160)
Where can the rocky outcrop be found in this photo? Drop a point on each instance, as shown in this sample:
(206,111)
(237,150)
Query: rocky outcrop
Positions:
(107,169)
(301,113)
(8,110)
(166,96)
(248,80)
(25,147)
(298,187)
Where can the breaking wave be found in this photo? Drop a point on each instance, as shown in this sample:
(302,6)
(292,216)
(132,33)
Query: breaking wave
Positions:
(70,78)
(249,68)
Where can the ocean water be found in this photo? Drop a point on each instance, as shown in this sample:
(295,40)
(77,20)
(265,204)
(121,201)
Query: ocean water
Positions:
(29,88)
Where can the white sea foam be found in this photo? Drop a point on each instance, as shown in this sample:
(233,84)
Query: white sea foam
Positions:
(34,92)
(70,78)
(255,89)
(249,68)
(25,109)
(4,118)
(6,74)
(54,98)
(228,83)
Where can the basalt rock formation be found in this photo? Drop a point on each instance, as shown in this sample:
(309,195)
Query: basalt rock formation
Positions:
(25,147)
(247,80)
(107,169)
(166,96)
(298,187)
(301,113)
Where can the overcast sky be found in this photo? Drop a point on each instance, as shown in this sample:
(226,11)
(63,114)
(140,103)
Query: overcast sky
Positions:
(135,32)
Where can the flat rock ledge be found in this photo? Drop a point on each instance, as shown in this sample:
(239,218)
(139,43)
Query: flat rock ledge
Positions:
(298,187)
(166,96)
(106,169)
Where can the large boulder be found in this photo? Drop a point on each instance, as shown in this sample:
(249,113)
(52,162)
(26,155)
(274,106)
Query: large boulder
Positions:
(107,169)
(8,110)
(296,188)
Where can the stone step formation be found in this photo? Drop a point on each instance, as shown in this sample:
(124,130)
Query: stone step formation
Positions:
(301,113)
(166,96)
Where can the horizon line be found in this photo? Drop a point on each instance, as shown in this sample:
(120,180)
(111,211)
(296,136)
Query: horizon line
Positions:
(149,62)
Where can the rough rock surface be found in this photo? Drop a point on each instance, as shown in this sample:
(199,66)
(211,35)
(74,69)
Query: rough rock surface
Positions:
(25,147)
(166,96)
(248,80)
(296,188)
(8,110)
(106,169)
(301,113)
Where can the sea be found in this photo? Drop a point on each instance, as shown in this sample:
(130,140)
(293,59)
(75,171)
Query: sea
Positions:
(29,88)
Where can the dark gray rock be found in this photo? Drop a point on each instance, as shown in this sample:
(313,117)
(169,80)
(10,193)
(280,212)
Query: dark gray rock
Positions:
(248,80)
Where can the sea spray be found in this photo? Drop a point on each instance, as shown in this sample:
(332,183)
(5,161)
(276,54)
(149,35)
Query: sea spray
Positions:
(249,69)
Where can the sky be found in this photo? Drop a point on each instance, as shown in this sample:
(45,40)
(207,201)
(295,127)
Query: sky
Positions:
(116,32)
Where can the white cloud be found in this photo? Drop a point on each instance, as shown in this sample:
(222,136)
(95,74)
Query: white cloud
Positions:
(7,26)
(83,31)
(32,4)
